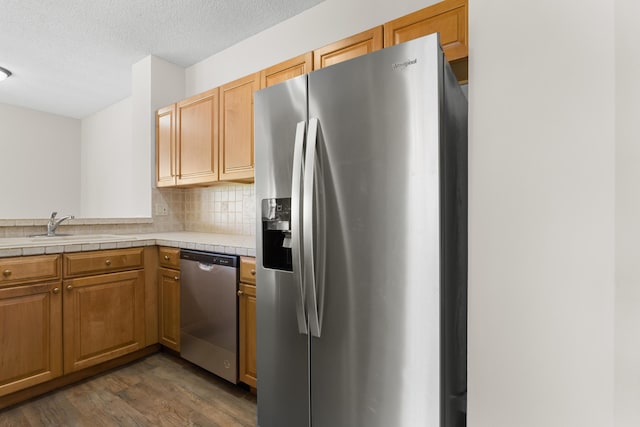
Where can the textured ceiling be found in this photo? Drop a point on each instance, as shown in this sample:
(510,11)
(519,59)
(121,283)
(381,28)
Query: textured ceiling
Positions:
(74,57)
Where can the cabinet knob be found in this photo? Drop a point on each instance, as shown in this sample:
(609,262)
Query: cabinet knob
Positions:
(240,293)
(69,287)
(253,272)
(176,278)
(6,273)
(108,262)
(167,257)
(55,290)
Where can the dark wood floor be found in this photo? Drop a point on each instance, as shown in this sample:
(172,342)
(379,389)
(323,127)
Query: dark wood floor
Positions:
(160,390)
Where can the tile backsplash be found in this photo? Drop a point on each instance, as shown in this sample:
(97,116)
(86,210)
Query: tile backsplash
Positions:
(223,208)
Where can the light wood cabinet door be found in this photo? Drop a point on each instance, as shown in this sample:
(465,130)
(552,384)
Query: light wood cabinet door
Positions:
(247,324)
(166,146)
(449,18)
(30,335)
(248,270)
(169,307)
(236,129)
(286,70)
(169,257)
(98,262)
(21,270)
(197,139)
(103,318)
(351,47)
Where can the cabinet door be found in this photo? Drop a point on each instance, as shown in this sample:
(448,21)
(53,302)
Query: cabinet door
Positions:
(166,146)
(351,47)
(286,70)
(247,313)
(236,129)
(248,270)
(169,257)
(80,264)
(31,335)
(169,310)
(103,318)
(197,122)
(449,18)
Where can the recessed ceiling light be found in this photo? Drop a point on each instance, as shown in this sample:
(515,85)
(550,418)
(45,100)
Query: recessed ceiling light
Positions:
(4,73)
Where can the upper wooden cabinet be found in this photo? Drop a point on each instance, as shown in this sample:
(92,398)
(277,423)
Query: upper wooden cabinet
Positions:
(351,47)
(197,139)
(449,18)
(286,70)
(236,128)
(166,146)
(187,141)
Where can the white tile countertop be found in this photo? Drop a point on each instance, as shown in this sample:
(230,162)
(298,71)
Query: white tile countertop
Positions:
(211,242)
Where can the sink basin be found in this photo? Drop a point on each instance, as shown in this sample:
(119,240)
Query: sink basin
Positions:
(60,239)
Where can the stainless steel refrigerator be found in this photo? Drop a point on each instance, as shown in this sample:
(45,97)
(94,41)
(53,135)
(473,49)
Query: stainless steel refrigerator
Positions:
(361,194)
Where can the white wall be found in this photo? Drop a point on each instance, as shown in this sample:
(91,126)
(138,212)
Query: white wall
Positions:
(118,155)
(39,165)
(106,163)
(541,243)
(325,23)
(627,215)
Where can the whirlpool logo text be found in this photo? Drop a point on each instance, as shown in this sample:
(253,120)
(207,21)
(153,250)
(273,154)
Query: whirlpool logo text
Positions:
(403,65)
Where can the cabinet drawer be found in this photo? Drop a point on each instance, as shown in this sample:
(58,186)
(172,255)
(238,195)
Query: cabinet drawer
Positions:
(87,263)
(248,270)
(169,257)
(29,268)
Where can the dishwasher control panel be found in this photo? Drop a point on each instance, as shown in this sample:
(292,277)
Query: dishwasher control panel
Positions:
(209,258)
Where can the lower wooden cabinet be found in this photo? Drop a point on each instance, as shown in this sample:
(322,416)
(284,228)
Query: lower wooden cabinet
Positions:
(247,324)
(169,307)
(60,314)
(30,335)
(247,321)
(103,318)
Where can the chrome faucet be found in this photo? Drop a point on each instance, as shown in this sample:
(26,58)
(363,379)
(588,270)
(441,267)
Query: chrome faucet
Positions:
(53,223)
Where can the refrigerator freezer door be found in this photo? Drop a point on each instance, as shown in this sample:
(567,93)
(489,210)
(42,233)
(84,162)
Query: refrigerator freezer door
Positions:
(376,363)
(282,351)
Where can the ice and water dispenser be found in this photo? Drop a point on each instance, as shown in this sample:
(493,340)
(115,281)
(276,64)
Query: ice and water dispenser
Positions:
(276,234)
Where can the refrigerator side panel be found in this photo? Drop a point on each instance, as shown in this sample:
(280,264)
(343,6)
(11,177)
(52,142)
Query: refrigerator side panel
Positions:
(282,352)
(454,249)
(377,360)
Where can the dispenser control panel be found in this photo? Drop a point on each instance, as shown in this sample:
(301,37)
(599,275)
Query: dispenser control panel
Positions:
(276,234)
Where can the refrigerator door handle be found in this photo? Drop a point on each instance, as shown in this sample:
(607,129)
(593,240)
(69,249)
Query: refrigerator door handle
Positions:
(313,260)
(296,231)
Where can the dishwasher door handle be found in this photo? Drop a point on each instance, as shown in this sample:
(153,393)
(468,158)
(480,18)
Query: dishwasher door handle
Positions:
(206,267)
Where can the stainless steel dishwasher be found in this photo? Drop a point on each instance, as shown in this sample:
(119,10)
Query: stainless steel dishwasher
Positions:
(209,313)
